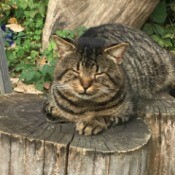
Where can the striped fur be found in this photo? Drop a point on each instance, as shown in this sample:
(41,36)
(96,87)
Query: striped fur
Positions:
(102,75)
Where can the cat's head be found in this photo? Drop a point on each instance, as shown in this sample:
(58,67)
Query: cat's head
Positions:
(88,70)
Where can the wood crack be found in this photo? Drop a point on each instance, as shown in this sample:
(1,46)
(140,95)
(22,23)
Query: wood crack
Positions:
(67,155)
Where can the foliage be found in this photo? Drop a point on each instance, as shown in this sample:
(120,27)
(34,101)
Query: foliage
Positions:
(71,34)
(24,54)
(33,65)
(161,24)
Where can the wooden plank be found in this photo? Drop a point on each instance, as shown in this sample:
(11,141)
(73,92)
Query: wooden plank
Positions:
(5,85)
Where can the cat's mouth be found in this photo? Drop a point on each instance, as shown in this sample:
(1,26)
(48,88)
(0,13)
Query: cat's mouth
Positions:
(85,95)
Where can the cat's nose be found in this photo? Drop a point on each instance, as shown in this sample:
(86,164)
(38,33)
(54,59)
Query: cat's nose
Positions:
(86,83)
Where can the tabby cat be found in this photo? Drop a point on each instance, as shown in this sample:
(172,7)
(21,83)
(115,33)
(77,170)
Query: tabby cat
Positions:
(101,76)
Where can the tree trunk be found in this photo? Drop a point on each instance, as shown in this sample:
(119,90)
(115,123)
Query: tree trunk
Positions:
(29,145)
(70,14)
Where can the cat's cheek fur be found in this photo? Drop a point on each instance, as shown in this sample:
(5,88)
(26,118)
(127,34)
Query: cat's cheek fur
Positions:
(78,88)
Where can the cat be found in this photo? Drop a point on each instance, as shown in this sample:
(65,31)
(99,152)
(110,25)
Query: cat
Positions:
(101,76)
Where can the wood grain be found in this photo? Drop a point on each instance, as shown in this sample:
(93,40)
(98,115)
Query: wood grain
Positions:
(160,116)
(30,145)
(70,14)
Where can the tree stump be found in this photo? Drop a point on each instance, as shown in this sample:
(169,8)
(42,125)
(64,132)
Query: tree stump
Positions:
(29,145)
(160,115)
(71,14)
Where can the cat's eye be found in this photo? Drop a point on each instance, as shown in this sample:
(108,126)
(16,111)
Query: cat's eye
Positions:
(99,75)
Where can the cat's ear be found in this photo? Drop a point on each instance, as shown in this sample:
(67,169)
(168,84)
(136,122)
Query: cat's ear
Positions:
(64,46)
(116,52)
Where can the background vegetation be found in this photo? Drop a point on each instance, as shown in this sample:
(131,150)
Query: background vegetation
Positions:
(23,21)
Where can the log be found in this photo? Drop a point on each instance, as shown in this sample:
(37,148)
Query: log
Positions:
(32,146)
(5,85)
(160,116)
(70,14)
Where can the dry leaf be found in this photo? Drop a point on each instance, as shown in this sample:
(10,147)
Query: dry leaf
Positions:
(19,86)
(47,85)
(15,27)
(13,21)
(41,61)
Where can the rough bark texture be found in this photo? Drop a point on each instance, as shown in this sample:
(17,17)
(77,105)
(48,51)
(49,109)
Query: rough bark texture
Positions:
(5,85)
(71,14)
(161,118)
(29,145)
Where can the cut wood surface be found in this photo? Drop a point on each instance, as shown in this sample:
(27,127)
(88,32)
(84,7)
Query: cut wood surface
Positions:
(70,14)
(29,145)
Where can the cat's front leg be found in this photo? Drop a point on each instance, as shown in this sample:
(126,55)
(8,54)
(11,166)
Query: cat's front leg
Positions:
(52,113)
(92,126)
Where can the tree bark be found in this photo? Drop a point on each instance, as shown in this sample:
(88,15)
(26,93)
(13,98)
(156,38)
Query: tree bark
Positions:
(70,14)
(29,145)
(160,116)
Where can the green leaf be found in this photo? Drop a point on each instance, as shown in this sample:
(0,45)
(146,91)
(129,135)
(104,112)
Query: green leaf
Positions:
(158,40)
(39,85)
(46,69)
(158,29)
(172,5)
(65,34)
(31,4)
(5,7)
(37,37)
(169,35)
(160,13)
(38,32)
(42,10)
(39,23)
(34,53)
(53,63)
(27,76)
(20,52)
(22,4)
(80,30)
(147,28)
(168,43)
(30,14)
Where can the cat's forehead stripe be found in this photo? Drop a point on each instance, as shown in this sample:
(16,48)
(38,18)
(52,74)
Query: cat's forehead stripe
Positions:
(88,57)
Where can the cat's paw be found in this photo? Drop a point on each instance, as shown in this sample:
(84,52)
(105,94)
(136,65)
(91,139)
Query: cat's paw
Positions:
(89,128)
(52,114)
(50,109)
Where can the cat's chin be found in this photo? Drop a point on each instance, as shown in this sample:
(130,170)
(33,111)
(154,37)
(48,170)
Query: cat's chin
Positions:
(84,96)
